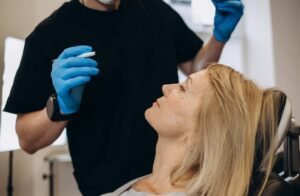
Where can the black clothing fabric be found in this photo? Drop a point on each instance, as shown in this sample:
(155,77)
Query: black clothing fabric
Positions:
(138,48)
(275,186)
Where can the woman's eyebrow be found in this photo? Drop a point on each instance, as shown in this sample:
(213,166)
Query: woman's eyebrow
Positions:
(189,79)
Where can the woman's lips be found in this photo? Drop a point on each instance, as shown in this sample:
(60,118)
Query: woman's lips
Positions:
(157,103)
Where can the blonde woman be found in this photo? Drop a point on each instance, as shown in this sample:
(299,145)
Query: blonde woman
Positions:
(213,130)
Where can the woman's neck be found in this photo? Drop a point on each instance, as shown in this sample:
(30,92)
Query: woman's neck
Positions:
(169,155)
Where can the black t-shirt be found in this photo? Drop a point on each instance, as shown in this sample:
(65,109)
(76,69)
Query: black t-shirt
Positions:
(138,48)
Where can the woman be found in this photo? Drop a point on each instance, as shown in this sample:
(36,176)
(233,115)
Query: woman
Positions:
(213,130)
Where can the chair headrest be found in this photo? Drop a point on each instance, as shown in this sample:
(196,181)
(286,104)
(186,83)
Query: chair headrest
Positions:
(284,117)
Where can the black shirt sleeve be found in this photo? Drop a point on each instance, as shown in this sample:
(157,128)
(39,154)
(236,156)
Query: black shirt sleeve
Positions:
(32,84)
(187,42)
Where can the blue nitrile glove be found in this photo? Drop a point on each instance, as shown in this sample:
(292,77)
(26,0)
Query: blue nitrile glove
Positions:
(228,14)
(69,76)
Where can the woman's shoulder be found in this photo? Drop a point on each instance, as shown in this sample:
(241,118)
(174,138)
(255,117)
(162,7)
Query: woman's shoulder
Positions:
(124,188)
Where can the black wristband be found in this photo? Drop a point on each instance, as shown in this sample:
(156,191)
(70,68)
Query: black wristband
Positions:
(53,110)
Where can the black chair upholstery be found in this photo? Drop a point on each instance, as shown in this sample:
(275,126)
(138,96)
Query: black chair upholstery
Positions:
(284,179)
(276,186)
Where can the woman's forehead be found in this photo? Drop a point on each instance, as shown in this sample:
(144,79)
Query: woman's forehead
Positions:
(198,81)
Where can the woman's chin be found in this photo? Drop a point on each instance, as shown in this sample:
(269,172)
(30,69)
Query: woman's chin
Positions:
(147,113)
(149,116)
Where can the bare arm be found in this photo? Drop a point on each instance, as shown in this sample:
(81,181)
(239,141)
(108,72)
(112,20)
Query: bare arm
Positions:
(36,131)
(209,53)
(227,15)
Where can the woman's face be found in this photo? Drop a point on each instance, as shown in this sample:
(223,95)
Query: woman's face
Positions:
(174,114)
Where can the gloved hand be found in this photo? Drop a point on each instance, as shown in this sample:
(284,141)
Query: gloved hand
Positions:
(228,14)
(69,76)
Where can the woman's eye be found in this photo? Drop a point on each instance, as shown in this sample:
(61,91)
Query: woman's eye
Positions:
(181,88)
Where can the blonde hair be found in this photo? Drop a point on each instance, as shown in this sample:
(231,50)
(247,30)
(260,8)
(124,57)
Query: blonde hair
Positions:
(233,125)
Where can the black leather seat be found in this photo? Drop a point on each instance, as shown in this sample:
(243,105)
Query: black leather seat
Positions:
(276,186)
(285,177)
(278,168)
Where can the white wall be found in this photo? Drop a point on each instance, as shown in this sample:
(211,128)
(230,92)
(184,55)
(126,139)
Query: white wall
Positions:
(17,19)
(272,46)
(286,39)
(258,42)
(16,27)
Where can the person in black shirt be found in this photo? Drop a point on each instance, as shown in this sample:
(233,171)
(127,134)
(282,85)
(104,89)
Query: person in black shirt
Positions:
(139,45)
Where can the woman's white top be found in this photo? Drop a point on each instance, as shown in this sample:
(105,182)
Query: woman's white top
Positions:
(127,190)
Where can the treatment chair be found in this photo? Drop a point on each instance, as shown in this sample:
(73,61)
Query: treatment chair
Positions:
(285,180)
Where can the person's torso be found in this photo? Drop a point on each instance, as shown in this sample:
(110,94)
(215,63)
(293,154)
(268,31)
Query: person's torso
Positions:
(111,140)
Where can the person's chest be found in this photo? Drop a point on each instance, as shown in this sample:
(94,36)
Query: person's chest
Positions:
(129,40)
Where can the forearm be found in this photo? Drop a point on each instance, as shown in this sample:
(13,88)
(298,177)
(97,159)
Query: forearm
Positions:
(36,131)
(209,53)
(228,14)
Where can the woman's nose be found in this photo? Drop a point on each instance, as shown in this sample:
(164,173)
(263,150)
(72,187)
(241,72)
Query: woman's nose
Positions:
(164,89)
(167,88)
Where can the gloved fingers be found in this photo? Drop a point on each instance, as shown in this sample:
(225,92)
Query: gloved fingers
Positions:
(79,71)
(222,1)
(75,82)
(64,87)
(74,62)
(230,6)
(75,51)
(78,62)
(230,10)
